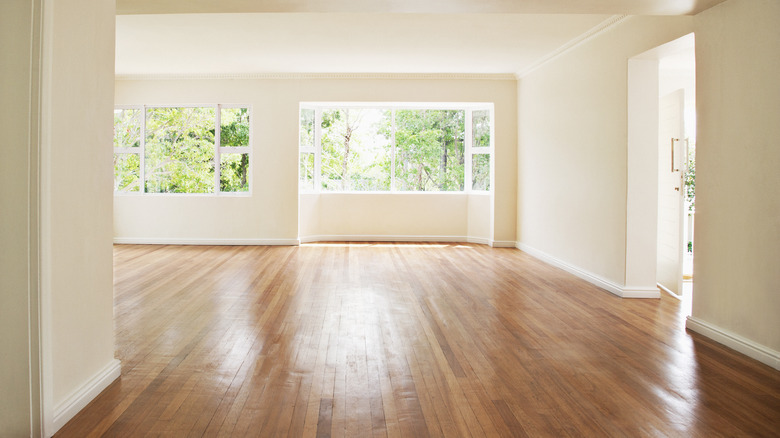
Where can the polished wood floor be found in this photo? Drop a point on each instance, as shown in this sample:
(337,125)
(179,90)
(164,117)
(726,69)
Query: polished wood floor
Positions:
(375,340)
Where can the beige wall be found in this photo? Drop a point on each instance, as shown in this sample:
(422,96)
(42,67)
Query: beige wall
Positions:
(76,199)
(572,171)
(738,170)
(19,404)
(271,212)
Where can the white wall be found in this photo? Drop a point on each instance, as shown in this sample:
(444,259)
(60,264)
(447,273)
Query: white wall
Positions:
(737,240)
(270,213)
(76,203)
(19,403)
(572,156)
(344,215)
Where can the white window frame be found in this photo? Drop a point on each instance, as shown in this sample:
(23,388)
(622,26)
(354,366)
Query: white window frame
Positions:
(139,150)
(471,150)
(218,149)
(468,151)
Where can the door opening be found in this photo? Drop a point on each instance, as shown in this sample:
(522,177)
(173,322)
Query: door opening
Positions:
(676,172)
(651,75)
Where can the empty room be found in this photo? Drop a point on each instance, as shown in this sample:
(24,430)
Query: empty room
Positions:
(396,218)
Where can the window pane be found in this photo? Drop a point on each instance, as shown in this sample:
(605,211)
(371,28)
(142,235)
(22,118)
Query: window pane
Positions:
(179,155)
(127,128)
(234,127)
(306,172)
(127,173)
(429,150)
(306,135)
(480,121)
(233,173)
(480,172)
(356,149)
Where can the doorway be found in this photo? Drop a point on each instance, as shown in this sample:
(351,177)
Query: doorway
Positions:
(676,171)
(652,75)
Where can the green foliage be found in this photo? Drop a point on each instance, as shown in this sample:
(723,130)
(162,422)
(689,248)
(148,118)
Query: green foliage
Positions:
(306,171)
(429,150)
(127,128)
(179,150)
(357,151)
(234,132)
(234,127)
(127,173)
(480,171)
(306,133)
(690,177)
(354,151)
(233,173)
(480,122)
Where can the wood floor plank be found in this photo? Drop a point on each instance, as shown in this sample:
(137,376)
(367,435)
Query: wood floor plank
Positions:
(389,339)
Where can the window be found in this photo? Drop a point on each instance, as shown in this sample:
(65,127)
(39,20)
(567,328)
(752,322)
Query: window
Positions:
(414,148)
(176,149)
(480,150)
(354,149)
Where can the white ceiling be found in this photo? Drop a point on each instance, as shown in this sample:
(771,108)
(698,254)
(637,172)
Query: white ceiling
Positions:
(212,37)
(340,43)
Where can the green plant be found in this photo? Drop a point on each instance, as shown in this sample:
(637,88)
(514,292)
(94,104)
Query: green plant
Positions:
(690,177)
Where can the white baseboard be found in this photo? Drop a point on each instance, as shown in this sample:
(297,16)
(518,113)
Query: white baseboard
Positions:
(309,239)
(479,241)
(640,292)
(734,341)
(667,290)
(621,291)
(176,241)
(388,238)
(81,397)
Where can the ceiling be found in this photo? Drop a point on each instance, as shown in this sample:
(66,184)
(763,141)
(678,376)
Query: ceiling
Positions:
(234,37)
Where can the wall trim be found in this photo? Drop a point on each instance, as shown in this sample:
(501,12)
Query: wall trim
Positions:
(315,238)
(668,291)
(81,397)
(591,33)
(610,286)
(392,238)
(640,292)
(299,76)
(479,241)
(734,341)
(177,241)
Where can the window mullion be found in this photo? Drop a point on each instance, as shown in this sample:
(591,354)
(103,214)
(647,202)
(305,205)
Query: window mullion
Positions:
(392,148)
(467,173)
(317,148)
(217,144)
(142,160)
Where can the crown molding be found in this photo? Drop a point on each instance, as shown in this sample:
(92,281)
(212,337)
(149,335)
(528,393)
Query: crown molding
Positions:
(593,32)
(308,76)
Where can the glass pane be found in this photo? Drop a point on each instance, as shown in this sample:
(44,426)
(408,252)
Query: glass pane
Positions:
(127,173)
(234,127)
(179,155)
(429,150)
(233,173)
(480,124)
(306,172)
(480,171)
(356,149)
(127,128)
(306,135)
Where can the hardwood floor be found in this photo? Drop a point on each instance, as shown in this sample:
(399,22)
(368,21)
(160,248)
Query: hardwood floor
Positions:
(406,340)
